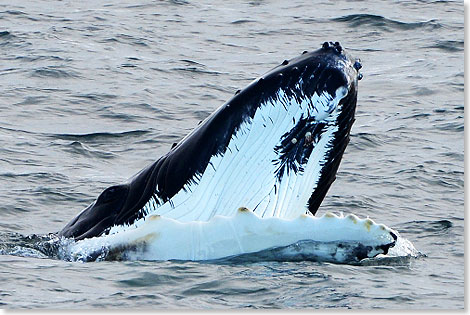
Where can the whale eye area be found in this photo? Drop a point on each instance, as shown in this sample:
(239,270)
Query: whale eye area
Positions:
(331,80)
(111,194)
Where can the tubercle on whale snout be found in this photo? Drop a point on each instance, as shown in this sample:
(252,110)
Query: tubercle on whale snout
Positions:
(336,49)
(336,46)
(333,53)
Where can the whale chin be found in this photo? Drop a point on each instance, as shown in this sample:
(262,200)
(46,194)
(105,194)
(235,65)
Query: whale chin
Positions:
(274,147)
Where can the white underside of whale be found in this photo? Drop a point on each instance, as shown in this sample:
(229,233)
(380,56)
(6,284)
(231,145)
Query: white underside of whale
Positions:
(161,238)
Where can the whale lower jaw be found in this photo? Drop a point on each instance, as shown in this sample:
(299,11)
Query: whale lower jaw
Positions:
(341,239)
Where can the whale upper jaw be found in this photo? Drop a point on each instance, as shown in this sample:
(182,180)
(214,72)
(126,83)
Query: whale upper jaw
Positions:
(275,147)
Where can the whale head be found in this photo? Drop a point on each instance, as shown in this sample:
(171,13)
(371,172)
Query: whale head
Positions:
(274,147)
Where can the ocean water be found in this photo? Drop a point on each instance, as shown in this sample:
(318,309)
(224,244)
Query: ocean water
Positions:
(91,92)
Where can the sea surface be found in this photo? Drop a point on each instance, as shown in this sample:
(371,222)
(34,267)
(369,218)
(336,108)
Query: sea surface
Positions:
(93,91)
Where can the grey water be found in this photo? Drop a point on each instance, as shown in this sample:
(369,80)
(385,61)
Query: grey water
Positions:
(93,91)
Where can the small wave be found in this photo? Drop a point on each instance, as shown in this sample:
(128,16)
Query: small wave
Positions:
(458,126)
(178,2)
(6,35)
(195,70)
(32,100)
(242,21)
(453,155)
(81,137)
(360,20)
(14,12)
(76,147)
(96,96)
(424,91)
(128,65)
(99,135)
(54,72)
(21,14)
(448,110)
(448,45)
(423,228)
(31,58)
(126,39)
(366,140)
(418,116)
(9,39)
(192,62)
(110,40)
(149,279)
(37,176)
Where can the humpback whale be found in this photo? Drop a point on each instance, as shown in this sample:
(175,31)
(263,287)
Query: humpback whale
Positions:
(274,148)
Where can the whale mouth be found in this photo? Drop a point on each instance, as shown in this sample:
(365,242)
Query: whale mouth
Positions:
(274,147)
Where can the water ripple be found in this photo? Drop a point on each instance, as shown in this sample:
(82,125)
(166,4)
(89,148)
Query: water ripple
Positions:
(426,228)
(78,148)
(54,72)
(6,35)
(361,20)
(99,135)
(148,279)
(448,45)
